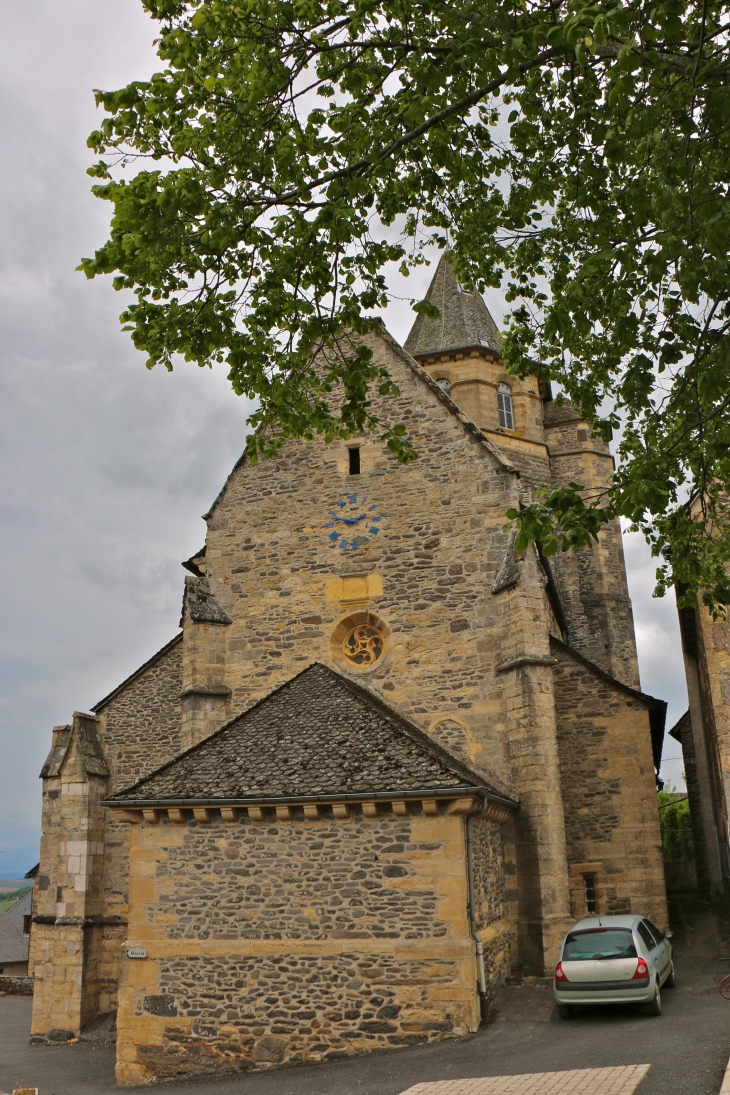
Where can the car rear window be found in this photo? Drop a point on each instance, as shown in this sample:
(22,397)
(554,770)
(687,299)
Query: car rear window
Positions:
(599,943)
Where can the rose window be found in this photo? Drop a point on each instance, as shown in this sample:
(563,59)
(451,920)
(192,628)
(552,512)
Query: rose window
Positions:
(363,645)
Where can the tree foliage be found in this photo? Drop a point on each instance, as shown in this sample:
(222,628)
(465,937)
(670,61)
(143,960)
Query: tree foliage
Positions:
(676,826)
(574,154)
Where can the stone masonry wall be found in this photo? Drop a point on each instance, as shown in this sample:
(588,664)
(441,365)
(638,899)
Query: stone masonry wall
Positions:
(713,658)
(139,731)
(607,774)
(492,910)
(426,575)
(425,578)
(593,585)
(276,942)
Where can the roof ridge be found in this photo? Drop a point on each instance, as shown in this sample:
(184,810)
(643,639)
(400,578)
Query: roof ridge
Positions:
(216,733)
(450,765)
(404,723)
(464,321)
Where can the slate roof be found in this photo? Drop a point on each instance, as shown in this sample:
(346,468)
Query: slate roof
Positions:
(13,948)
(22,908)
(683,723)
(463,322)
(318,735)
(552,413)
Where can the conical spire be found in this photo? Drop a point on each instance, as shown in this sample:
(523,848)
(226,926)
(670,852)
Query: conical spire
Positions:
(463,323)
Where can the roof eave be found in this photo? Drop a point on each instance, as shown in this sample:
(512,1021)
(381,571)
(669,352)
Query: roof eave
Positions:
(212,801)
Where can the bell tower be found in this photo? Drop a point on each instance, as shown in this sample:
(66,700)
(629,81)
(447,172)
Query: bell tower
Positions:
(549,444)
(462,351)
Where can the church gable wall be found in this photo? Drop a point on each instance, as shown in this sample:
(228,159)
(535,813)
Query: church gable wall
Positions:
(608,782)
(140,728)
(426,575)
(278,942)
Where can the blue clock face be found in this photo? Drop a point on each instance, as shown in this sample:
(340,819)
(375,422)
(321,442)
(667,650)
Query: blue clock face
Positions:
(353,522)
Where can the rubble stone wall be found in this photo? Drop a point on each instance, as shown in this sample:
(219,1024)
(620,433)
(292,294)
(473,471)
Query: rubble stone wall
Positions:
(139,729)
(16,984)
(276,942)
(426,579)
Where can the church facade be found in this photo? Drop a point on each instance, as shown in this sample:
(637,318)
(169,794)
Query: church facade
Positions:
(385,761)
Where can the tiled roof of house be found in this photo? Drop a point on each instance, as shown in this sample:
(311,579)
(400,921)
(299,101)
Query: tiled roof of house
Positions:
(463,322)
(13,948)
(21,909)
(317,735)
(552,413)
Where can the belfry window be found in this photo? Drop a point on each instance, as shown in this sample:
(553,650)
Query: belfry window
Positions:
(504,401)
(444,385)
(354,464)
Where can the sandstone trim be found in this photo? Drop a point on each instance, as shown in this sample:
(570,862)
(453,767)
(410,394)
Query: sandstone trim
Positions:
(430,803)
(205,690)
(526,659)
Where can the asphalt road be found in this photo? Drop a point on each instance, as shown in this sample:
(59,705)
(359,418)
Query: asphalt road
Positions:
(687,1048)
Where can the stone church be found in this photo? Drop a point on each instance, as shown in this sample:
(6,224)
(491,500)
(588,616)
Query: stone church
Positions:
(385,761)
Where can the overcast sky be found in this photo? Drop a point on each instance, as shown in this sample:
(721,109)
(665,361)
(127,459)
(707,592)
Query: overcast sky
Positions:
(106,466)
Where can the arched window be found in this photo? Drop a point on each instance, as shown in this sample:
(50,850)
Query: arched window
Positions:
(444,385)
(504,400)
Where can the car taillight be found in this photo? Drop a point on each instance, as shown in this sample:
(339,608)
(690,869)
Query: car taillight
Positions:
(642,970)
(560,972)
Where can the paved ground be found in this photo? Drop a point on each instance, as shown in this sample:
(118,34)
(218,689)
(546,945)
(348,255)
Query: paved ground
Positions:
(623,1080)
(687,1049)
(526,1050)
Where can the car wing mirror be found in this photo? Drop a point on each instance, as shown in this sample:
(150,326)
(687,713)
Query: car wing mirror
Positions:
(669,935)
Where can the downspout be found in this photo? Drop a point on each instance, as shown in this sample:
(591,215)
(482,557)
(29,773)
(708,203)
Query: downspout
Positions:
(470,908)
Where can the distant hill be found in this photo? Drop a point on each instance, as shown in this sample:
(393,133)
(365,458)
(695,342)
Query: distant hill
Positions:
(9,897)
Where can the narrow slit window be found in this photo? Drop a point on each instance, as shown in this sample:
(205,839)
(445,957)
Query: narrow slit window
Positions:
(444,385)
(504,400)
(589,891)
(354,461)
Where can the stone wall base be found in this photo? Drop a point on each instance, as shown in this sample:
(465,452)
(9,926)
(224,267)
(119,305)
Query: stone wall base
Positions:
(17,986)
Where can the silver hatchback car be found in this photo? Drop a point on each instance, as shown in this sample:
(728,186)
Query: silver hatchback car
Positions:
(613,960)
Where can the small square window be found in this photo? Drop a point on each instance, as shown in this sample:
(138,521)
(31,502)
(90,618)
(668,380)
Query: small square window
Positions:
(589,892)
(354,461)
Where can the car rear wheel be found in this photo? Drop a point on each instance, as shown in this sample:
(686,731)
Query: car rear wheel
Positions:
(565,1011)
(655,1007)
(670,981)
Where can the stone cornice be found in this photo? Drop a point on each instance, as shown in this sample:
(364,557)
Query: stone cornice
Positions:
(525,659)
(205,690)
(463,800)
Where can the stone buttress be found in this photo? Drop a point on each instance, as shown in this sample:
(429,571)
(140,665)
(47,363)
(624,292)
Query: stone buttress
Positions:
(67,921)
